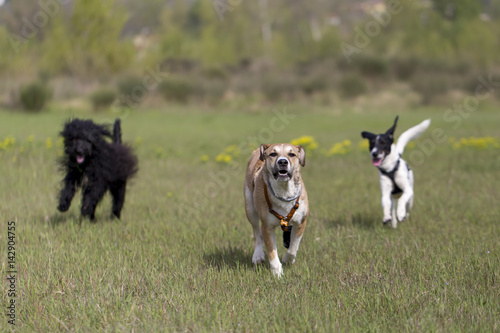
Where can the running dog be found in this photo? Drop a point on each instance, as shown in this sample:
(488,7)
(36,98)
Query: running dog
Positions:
(96,165)
(396,177)
(275,194)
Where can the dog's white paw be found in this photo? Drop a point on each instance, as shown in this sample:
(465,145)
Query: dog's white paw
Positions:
(401,215)
(258,257)
(277,271)
(289,258)
(387,220)
(276,267)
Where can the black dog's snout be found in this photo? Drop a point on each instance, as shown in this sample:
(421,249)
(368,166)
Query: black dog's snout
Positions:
(82,148)
(374,153)
(283,162)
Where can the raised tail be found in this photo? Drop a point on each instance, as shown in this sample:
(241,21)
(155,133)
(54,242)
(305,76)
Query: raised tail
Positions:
(117,132)
(410,134)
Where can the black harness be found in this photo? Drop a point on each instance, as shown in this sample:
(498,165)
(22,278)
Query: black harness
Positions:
(390,174)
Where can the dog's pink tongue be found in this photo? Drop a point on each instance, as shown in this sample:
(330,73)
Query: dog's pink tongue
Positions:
(79,159)
(377,161)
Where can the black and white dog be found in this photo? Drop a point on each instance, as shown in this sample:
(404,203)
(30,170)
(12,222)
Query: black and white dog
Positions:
(396,177)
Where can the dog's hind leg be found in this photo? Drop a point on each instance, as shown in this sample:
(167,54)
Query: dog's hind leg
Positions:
(118,192)
(258,255)
(394,221)
(92,194)
(409,207)
(410,201)
(71,181)
(403,203)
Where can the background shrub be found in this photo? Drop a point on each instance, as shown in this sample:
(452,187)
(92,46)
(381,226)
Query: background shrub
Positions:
(102,98)
(34,96)
(372,66)
(314,84)
(176,89)
(215,72)
(430,85)
(404,68)
(211,91)
(352,85)
(127,84)
(279,87)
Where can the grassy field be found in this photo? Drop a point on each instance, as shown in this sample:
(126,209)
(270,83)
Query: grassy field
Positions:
(180,258)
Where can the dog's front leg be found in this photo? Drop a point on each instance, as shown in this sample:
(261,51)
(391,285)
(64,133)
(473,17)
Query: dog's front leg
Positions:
(272,251)
(71,181)
(387,206)
(295,238)
(403,202)
(93,193)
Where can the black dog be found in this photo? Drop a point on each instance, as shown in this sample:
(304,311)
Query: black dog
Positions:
(95,164)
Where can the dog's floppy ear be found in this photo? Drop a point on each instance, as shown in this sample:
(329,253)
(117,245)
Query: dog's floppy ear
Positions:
(105,131)
(367,135)
(390,131)
(263,148)
(302,155)
(97,132)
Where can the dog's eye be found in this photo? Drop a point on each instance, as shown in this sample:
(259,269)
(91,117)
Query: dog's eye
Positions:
(291,154)
(273,154)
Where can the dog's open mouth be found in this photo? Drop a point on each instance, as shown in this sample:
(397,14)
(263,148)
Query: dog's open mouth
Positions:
(80,159)
(282,175)
(376,161)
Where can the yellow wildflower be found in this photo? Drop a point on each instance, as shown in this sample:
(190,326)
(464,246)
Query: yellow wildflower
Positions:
(48,143)
(8,142)
(340,148)
(480,143)
(306,141)
(223,158)
(232,149)
(159,151)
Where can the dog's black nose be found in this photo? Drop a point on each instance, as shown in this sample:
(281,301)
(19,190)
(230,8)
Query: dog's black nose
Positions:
(283,162)
(374,154)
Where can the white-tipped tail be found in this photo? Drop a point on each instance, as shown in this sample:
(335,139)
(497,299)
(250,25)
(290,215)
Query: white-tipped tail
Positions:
(411,134)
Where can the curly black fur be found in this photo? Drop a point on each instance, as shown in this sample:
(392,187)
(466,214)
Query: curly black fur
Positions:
(95,164)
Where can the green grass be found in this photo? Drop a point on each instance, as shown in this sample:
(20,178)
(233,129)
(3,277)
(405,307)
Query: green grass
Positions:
(181,261)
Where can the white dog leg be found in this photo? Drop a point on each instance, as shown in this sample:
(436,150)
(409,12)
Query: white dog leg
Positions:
(258,254)
(403,203)
(387,207)
(272,251)
(394,221)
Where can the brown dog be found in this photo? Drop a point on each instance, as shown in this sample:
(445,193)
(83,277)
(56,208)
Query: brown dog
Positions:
(275,194)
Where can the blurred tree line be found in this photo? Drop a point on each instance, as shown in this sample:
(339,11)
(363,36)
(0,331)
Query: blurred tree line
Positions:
(101,39)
